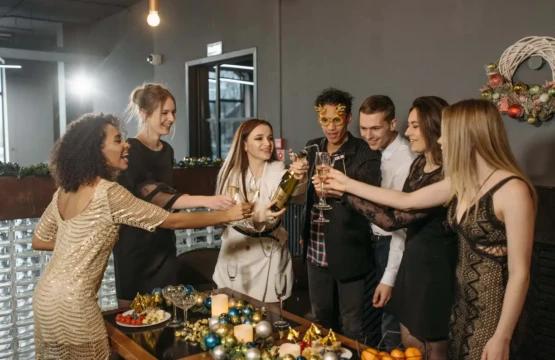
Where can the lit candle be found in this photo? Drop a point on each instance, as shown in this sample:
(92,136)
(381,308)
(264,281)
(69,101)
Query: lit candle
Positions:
(288,348)
(219,304)
(243,333)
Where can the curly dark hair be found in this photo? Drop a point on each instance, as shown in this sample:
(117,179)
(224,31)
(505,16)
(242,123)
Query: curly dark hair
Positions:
(77,158)
(333,96)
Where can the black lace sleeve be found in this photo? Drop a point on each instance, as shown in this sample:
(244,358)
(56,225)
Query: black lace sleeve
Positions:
(390,219)
(158,194)
(148,175)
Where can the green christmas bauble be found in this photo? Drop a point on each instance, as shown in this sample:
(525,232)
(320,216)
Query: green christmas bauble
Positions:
(534,89)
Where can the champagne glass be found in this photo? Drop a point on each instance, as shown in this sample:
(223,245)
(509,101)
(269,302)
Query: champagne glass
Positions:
(232,271)
(168,293)
(185,302)
(254,190)
(280,286)
(323,165)
(233,192)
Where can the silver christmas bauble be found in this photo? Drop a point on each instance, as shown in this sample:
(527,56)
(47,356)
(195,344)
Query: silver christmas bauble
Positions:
(252,354)
(330,356)
(218,353)
(263,329)
(213,323)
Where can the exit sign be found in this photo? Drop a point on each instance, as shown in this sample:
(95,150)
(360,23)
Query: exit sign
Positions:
(214,48)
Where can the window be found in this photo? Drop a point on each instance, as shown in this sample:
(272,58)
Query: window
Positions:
(221,96)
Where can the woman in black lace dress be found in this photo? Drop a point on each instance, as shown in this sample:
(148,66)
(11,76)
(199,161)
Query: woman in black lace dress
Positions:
(422,297)
(492,209)
(143,260)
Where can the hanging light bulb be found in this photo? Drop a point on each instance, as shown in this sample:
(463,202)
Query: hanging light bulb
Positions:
(153,19)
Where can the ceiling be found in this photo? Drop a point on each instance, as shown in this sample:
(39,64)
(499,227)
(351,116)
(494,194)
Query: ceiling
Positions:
(83,12)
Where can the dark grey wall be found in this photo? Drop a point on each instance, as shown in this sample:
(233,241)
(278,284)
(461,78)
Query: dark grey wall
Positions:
(400,48)
(126,41)
(30,94)
(188,26)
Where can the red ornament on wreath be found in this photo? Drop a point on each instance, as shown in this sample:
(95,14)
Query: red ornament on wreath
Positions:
(495,80)
(515,111)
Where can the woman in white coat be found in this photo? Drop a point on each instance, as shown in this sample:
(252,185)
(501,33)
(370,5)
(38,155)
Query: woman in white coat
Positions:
(251,172)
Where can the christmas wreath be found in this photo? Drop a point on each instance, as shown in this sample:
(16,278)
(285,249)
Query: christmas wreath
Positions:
(520,100)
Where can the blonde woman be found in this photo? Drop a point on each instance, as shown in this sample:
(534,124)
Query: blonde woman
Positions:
(492,207)
(141,266)
(256,249)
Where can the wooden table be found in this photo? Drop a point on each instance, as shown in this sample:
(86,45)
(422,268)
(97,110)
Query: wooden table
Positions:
(159,342)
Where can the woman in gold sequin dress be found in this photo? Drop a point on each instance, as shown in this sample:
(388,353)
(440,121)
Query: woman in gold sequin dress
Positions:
(81,224)
(492,209)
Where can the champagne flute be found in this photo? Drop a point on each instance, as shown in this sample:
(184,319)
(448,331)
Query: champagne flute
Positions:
(168,293)
(323,165)
(232,271)
(254,190)
(280,285)
(233,192)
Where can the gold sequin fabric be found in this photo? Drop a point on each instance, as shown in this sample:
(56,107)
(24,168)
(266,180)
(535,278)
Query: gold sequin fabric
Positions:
(482,275)
(68,321)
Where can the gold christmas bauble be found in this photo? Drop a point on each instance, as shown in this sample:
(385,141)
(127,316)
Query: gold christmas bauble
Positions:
(229,341)
(492,67)
(531,120)
(231,303)
(266,356)
(288,357)
(204,331)
(487,94)
(221,330)
(519,87)
(236,320)
(200,300)
(240,305)
(257,316)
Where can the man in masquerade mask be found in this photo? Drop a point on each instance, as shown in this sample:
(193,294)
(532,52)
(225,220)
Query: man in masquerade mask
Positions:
(338,253)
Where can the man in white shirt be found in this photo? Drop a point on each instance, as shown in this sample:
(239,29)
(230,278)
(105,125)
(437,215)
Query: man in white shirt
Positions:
(377,127)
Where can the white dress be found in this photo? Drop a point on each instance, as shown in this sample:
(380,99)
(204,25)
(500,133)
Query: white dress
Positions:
(258,259)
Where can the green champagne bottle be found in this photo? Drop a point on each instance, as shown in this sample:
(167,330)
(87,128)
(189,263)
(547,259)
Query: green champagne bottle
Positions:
(286,187)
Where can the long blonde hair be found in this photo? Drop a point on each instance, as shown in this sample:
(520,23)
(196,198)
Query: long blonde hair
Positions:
(236,162)
(472,127)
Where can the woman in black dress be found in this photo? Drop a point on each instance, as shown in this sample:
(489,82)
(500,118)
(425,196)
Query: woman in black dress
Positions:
(422,297)
(143,260)
(491,206)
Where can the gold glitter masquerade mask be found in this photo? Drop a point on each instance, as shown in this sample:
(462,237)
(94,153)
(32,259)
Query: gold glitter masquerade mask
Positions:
(337,120)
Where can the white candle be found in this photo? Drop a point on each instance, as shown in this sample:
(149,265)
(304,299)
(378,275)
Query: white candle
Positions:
(219,304)
(288,348)
(243,333)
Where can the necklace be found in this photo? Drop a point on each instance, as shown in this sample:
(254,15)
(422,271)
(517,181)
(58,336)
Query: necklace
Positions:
(480,188)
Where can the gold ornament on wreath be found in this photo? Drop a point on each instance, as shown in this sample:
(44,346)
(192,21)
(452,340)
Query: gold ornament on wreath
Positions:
(534,103)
